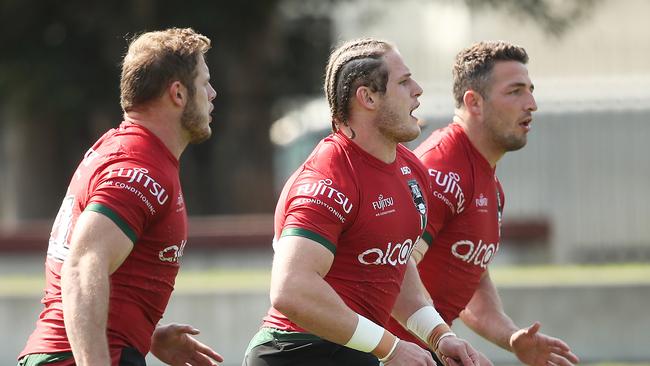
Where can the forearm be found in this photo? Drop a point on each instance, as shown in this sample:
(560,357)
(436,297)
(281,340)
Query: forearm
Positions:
(484,314)
(85,310)
(414,310)
(495,327)
(312,303)
(412,296)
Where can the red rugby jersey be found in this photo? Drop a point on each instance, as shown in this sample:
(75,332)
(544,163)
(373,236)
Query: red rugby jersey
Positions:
(130,176)
(368,213)
(463,233)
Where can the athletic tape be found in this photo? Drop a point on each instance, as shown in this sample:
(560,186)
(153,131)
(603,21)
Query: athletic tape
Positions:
(366,336)
(423,321)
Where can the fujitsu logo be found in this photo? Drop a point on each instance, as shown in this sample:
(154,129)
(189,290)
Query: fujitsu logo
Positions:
(323,188)
(398,253)
(449,182)
(478,255)
(481,201)
(140,175)
(382,202)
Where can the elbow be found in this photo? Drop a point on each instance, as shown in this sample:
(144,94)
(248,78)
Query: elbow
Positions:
(284,298)
(468,317)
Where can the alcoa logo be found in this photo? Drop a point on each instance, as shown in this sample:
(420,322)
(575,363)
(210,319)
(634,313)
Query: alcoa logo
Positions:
(172,253)
(479,255)
(394,254)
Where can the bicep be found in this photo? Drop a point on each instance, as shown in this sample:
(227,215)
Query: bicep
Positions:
(98,241)
(296,255)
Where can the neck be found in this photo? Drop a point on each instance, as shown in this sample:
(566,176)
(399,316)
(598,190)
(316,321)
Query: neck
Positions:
(162,123)
(372,142)
(479,137)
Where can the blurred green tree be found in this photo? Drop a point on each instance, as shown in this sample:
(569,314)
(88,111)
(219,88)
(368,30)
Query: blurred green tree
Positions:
(59,78)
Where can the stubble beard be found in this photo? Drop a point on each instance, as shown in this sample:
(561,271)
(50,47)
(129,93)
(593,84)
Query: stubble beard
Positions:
(505,140)
(195,123)
(396,128)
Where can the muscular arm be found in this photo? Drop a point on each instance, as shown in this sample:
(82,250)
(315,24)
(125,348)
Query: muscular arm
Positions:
(98,247)
(484,314)
(412,295)
(299,291)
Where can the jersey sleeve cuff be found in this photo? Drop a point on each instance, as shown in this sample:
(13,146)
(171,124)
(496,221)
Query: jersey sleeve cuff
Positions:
(113,216)
(310,235)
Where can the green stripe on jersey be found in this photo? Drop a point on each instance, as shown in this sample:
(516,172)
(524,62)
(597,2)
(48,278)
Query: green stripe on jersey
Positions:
(97,207)
(310,235)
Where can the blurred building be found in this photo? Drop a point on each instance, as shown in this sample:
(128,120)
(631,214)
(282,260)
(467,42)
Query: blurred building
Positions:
(577,191)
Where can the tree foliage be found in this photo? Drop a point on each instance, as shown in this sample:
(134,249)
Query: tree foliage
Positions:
(59,79)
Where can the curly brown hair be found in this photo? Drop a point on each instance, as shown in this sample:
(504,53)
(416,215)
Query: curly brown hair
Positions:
(155,59)
(473,66)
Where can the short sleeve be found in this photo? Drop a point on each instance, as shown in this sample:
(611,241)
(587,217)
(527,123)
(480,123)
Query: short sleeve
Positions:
(319,207)
(131,194)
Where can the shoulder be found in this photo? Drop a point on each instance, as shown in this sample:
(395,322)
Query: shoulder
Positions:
(330,159)
(443,143)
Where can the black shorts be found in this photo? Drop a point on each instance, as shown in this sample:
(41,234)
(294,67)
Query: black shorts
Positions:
(272,347)
(129,357)
(435,358)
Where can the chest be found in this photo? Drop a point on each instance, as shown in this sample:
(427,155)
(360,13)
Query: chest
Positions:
(390,218)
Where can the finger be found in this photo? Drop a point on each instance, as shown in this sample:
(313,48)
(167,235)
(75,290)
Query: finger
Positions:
(555,342)
(430,361)
(203,349)
(473,355)
(451,362)
(533,328)
(464,357)
(559,360)
(199,359)
(184,328)
(570,356)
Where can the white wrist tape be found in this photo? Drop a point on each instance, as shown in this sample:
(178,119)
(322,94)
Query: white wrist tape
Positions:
(366,336)
(390,353)
(423,321)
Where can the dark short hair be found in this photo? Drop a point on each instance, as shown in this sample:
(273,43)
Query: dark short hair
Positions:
(473,66)
(155,59)
(352,65)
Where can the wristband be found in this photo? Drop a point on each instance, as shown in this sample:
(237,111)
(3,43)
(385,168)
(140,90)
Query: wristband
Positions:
(390,353)
(366,336)
(443,335)
(423,321)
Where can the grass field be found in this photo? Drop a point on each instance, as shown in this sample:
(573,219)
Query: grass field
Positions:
(258,279)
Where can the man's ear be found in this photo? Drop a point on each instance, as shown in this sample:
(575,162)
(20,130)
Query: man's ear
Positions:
(366,98)
(473,102)
(177,93)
